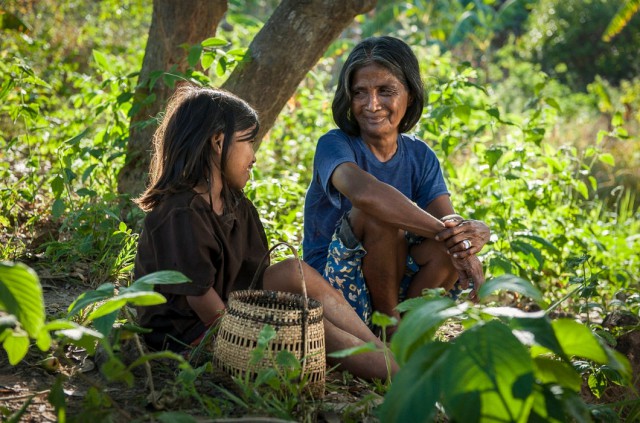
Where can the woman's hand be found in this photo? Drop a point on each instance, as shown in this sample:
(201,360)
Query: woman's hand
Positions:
(469,271)
(463,238)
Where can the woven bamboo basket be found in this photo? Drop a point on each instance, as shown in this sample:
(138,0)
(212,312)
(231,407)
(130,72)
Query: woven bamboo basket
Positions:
(296,319)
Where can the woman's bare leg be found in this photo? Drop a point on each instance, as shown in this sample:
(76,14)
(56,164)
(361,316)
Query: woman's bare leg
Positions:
(436,268)
(384,264)
(343,328)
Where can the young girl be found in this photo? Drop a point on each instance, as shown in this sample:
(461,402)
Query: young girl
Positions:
(200,223)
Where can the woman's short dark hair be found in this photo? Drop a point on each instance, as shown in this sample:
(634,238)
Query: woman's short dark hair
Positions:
(183,151)
(399,59)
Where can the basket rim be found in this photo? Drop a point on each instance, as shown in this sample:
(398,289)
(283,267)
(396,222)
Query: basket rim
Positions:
(240,295)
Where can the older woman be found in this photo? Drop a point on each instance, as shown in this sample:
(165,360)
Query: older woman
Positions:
(379,224)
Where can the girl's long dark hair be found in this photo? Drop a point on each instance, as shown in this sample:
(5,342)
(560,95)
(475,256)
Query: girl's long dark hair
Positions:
(183,153)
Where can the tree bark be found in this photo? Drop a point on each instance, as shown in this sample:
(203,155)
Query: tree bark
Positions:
(174,24)
(286,48)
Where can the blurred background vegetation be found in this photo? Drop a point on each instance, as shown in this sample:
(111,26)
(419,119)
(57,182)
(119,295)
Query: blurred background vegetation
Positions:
(534,117)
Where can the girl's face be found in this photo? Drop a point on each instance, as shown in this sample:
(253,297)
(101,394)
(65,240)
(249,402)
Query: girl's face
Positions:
(378,102)
(240,160)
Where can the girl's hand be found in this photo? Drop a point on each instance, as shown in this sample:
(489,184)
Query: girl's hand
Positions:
(463,238)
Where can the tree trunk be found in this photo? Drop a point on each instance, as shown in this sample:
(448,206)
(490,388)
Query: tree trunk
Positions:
(286,48)
(173,25)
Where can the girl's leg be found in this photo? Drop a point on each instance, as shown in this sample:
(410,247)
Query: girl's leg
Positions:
(343,328)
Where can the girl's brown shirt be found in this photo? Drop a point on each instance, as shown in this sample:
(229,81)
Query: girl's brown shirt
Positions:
(224,252)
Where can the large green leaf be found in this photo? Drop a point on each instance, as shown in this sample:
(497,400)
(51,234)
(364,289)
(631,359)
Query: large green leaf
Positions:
(141,298)
(163,277)
(82,336)
(16,345)
(489,376)
(542,331)
(510,283)
(104,291)
(577,340)
(416,387)
(554,371)
(420,324)
(547,407)
(21,296)
(621,19)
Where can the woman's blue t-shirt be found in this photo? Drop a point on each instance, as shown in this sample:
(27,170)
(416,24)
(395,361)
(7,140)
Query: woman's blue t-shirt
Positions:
(414,170)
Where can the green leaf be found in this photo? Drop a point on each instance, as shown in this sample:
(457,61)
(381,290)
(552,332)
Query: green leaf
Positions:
(119,301)
(163,277)
(545,243)
(21,295)
(492,155)
(116,371)
(16,344)
(416,387)
(554,371)
(541,331)
(533,254)
(489,376)
(577,340)
(607,158)
(82,337)
(59,324)
(214,42)
(419,325)
(553,103)
(266,335)
(493,112)
(207,59)
(462,112)
(104,324)
(582,189)
(57,186)
(86,192)
(75,140)
(286,359)
(104,291)
(102,61)
(360,349)
(221,67)
(194,55)
(547,407)
(411,303)
(382,320)
(510,283)
(58,208)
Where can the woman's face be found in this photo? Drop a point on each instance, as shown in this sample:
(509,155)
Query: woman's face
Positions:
(240,160)
(378,102)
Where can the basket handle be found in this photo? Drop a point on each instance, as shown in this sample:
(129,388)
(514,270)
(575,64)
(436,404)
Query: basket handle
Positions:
(298,260)
(305,310)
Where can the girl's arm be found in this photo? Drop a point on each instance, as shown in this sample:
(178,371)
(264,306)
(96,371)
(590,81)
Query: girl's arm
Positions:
(208,306)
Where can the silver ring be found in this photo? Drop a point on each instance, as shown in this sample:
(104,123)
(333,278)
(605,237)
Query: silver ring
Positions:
(467,244)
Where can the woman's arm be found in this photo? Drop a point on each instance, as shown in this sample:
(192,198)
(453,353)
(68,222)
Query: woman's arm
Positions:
(208,306)
(383,202)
